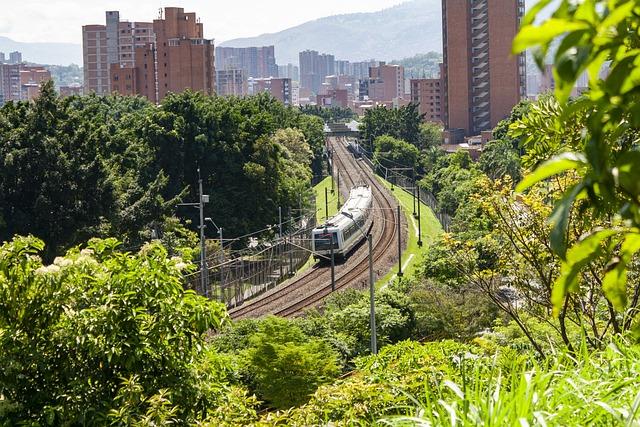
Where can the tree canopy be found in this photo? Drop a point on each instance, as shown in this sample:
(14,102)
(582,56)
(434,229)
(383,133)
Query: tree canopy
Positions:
(80,167)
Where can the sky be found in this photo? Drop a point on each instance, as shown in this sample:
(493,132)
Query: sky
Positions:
(62,20)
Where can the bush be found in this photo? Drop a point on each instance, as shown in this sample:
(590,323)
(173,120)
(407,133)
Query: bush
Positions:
(101,335)
(288,366)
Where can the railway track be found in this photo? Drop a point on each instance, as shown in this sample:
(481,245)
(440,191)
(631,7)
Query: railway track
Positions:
(310,288)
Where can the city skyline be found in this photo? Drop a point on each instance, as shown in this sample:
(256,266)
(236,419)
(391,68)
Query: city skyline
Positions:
(29,21)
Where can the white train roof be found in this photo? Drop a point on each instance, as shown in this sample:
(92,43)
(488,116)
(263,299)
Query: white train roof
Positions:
(359,200)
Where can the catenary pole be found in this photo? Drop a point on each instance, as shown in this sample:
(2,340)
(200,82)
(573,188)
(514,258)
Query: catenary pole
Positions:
(400,274)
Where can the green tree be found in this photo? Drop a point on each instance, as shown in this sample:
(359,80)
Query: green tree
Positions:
(73,331)
(606,160)
(499,159)
(401,123)
(390,152)
(52,183)
(329,115)
(287,365)
(430,135)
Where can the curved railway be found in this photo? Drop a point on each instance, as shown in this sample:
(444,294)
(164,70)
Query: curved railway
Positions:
(307,290)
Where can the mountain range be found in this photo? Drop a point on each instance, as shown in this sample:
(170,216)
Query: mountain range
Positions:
(397,32)
(44,53)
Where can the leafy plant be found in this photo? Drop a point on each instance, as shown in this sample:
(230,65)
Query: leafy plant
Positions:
(287,365)
(607,161)
(102,334)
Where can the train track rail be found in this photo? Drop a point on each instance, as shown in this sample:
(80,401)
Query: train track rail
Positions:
(291,298)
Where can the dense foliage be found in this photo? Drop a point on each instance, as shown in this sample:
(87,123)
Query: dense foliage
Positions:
(91,166)
(451,384)
(390,153)
(79,336)
(603,157)
(402,123)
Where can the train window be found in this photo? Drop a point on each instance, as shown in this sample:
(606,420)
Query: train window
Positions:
(323,241)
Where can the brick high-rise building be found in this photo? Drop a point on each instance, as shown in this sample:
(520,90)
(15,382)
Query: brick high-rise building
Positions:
(482,80)
(10,82)
(185,59)
(334,98)
(386,82)
(20,82)
(257,62)
(281,89)
(148,59)
(427,93)
(31,77)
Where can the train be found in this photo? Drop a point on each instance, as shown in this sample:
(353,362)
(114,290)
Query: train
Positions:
(346,229)
(354,147)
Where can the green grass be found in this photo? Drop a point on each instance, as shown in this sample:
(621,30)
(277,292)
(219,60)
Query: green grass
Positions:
(332,199)
(430,228)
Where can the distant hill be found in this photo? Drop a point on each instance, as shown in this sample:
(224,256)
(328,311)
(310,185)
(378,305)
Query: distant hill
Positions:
(397,32)
(44,53)
(421,65)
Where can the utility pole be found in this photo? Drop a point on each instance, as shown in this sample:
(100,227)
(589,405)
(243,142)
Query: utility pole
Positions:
(290,248)
(333,190)
(203,248)
(419,219)
(326,204)
(400,274)
(221,265)
(333,267)
(203,198)
(372,302)
(372,286)
(413,192)
(280,238)
(338,199)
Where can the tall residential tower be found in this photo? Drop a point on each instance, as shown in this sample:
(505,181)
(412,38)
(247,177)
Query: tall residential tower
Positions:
(148,59)
(482,80)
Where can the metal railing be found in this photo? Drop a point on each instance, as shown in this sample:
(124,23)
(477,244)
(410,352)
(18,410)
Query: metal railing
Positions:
(235,276)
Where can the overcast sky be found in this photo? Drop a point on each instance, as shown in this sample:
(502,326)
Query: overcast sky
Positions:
(61,20)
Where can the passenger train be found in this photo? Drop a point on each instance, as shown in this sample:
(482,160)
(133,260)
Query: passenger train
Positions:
(345,230)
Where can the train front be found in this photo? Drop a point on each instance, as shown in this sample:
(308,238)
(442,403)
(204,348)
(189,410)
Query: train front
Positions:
(323,238)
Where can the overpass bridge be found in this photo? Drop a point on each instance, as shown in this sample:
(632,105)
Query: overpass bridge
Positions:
(350,129)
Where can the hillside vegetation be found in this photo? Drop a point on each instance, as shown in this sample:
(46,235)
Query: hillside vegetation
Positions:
(526,312)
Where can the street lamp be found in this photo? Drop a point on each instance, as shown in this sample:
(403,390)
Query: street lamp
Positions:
(372,306)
